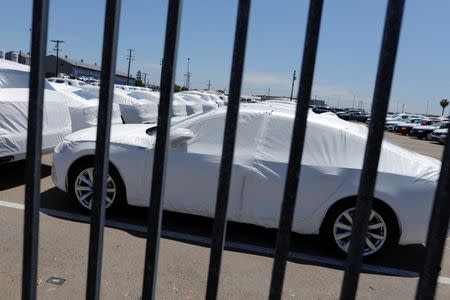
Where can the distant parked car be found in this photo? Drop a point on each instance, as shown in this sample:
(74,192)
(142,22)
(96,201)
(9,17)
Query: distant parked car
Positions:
(406,127)
(439,135)
(331,170)
(424,132)
(321,109)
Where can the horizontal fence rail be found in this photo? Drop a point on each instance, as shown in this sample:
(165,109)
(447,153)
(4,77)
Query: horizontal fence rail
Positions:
(101,161)
(440,216)
(296,151)
(367,182)
(34,149)
(229,138)
(159,160)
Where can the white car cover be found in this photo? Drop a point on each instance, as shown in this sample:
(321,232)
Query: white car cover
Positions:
(179,107)
(133,111)
(14,95)
(206,103)
(83,107)
(333,153)
(207,97)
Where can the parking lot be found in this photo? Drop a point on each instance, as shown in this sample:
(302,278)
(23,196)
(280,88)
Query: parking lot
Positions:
(314,272)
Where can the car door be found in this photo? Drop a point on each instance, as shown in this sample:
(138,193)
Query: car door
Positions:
(193,170)
(318,181)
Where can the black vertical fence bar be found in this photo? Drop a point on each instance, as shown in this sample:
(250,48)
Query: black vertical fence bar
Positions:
(229,138)
(385,72)
(296,151)
(34,148)
(101,163)
(437,231)
(159,159)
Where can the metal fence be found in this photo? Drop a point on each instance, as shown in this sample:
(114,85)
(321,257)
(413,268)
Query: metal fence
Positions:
(441,209)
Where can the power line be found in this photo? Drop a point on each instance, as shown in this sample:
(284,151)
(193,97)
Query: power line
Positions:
(130,57)
(57,43)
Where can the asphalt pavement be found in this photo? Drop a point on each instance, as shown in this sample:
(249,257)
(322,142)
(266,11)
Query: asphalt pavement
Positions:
(313,272)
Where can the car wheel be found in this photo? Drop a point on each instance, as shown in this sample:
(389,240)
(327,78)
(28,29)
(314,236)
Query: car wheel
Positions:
(81,187)
(381,234)
(429,137)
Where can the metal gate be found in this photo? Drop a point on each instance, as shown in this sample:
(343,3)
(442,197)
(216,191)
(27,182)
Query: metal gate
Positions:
(441,209)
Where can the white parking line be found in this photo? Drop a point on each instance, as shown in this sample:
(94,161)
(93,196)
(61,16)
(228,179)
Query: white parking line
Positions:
(230,244)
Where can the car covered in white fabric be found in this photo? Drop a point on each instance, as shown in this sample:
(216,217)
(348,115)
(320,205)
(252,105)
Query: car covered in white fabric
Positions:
(210,97)
(14,98)
(195,99)
(180,108)
(331,169)
(83,106)
(67,81)
(133,111)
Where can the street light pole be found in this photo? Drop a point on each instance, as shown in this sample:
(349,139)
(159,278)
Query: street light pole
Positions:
(293,80)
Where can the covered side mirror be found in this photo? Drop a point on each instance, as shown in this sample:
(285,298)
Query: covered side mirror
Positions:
(180,136)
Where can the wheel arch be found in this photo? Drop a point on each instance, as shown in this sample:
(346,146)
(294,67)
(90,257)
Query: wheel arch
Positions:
(352,200)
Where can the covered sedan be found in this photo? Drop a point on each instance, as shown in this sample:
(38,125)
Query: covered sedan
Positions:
(133,111)
(83,106)
(14,98)
(331,169)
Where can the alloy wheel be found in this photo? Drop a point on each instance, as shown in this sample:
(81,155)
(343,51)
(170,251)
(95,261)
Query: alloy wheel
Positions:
(84,188)
(376,233)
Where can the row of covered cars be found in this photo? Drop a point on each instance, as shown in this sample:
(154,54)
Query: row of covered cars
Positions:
(71,105)
(421,127)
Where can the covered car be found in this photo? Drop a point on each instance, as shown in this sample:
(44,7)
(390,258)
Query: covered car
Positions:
(179,108)
(14,97)
(331,169)
(83,106)
(133,111)
(195,99)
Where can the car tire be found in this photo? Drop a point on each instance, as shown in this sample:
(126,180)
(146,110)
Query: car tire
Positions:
(80,188)
(382,236)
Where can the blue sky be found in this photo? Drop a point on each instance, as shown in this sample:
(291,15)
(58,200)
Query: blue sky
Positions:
(348,47)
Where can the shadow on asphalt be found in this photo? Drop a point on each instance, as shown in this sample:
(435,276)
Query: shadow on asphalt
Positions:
(13,174)
(307,249)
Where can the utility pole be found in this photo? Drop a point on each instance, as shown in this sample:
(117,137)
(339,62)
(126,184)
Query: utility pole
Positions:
(209,85)
(268,92)
(57,43)
(293,80)
(129,58)
(353,105)
(403,107)
(188,74)
(145,78)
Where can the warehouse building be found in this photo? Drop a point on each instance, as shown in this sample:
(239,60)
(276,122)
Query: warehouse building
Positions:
(80,69)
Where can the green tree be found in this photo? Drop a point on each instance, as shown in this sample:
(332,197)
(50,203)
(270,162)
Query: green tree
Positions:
(177,88)
(444,104)
(139,79)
